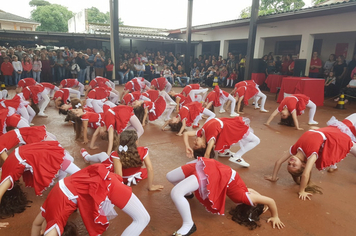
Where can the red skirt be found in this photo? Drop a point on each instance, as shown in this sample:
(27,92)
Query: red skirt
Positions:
(14,102)
(118,117)
(189,88)
(158,109)
(132,86)
(151,94)
(247,91)
(213,97)
(234,130)
(44,158)
(190,112)
(48,85)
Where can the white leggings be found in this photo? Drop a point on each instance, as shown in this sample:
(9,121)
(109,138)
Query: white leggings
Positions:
(3,94)
(247,144)
(206,112)
(97,105)
(139,215)
(110,84)
(263,102)
(97,158)
(81,88)
(43,100)
(312,109)
(23,123)
(27,112)
(70,169)
(75,92)
(168,87)
(194,92)
(183,186)
(113,97)
(136,125)
(232,105)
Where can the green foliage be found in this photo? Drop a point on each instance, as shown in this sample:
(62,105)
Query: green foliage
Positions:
(96,16)
(274,6)
(52,17)
(317,2)
(38,3)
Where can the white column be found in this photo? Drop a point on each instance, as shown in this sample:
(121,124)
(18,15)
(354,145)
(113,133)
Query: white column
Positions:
(198,49)
(259,47)
(224,48)
(306,50)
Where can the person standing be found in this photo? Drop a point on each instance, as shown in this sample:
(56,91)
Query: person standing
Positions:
(36,68)
(315,65)
(7,70)
(17,68)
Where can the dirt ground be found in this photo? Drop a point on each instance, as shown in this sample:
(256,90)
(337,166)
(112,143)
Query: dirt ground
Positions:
(329,214)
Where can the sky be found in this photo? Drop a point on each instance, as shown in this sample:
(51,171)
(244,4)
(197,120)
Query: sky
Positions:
(169,14)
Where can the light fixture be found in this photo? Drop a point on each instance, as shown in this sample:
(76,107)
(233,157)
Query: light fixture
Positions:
(36,37)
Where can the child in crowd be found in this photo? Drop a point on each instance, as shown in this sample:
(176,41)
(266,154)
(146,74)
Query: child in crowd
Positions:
(36,68)
(167,73)
(17,68)
(330,85)
(109,69)
(7,70)
(230,80)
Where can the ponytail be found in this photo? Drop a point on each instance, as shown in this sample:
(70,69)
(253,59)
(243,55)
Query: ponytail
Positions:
(129,158)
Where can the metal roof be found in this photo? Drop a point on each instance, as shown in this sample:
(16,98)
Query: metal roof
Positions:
(5,16)
(321,10)
(133,30)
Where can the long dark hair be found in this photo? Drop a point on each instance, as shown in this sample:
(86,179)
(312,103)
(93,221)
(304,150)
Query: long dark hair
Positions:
(34,106)
(70,229)
(131,157)
(311,188)
(139,111)
(77,123)
(13,201)
(248,216)
(200,152)
(175,127)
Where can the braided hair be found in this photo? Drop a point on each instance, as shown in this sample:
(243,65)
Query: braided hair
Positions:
(131,157)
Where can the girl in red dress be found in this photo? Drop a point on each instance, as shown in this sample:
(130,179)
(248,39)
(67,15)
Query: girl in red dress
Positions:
(37,95)
(116,120)
(129,98)
(23,136)
(161,84)
(219,98)
(192,90)
(323,147)
(294,106)
(38,164)
(21,107)
(188,115)
(231,79)
(136,84)
(245,93)
(94,191)
(154,109)
(151,94)
(212,182)
(220,134)
(127,160)
(72,83)
(8,118)
(23,83)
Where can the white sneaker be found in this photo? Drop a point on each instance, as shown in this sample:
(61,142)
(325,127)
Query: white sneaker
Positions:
(313,123)
(227,153)
(234,114)
(239,161)
(222,111)
(42,114)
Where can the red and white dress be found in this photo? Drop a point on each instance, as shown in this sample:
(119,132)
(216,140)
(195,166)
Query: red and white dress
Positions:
(346,126)
(213,97)
(190,111)
(118,117)
(70,83)
(15,102)
(221,95)
(23,83)
(63,94)
(136,84)
(159,83)
(22,136)
(99,93)
(295,102)
(129,98)
(189,88)
(151,94)
(8,118)
(216,181)
(247,91)
(94,190)
(156,108)
(329,144)
(94,119)
(245,83)
(98,82)
(33,91)
(183,99)
(37,163)
(225,131)
(130,175)
(47,85)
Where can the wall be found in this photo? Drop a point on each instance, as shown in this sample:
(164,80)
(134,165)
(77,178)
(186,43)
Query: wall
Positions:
(78,23)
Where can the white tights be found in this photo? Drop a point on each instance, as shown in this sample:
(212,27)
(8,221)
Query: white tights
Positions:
(23,123)
(136,125)
(194,92)
(247,144)
(182,187)
(113,97)
(139,215)
(263,102)
(43,102)
(75,92)
(71,169)
(97,158)
(232,105)
(3,94)
(206,112)
(312,109)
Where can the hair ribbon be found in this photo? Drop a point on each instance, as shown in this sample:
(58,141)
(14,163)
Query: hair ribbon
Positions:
(123,148)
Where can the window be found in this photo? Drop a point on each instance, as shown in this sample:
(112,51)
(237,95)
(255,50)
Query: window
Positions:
(287,47)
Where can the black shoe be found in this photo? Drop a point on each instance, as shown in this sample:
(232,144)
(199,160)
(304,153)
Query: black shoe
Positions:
(191,231)
(190,196)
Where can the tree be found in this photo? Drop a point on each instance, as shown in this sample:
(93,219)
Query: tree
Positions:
(96,16)
(274,6)
(38,3)
(317,2)
(52,17)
